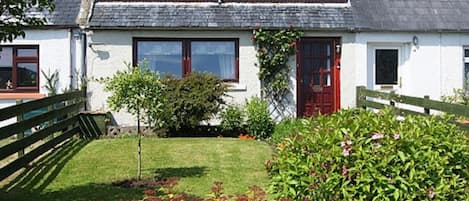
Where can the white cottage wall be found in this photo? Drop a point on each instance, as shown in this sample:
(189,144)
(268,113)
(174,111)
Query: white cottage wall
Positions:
(434,67)
(108,50)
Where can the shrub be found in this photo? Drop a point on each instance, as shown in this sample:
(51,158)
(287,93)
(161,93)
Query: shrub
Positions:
(232,119)
(258,123)
(358,154)
(192,99)
(288,128)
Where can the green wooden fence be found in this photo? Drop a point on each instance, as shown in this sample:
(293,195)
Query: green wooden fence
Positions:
(367,99)
(59,123)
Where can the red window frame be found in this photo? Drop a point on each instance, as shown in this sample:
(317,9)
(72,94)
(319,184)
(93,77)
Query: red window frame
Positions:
(186,52)
(17,59)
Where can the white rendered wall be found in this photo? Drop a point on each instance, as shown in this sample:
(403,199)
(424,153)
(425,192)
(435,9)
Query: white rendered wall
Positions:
(54,53)
(434,67)
(110,49)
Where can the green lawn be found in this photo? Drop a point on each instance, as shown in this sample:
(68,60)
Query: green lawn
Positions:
(83,170)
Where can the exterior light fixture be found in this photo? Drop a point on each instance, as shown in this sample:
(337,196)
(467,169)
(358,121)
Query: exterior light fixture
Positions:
(415,41)
(337,48)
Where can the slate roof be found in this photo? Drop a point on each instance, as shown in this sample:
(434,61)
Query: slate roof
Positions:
(65,13)
(411,15)
(362,15)
(225,16)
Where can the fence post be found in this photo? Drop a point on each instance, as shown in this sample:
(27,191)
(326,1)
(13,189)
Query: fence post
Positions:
(360,97)
(20,135)
(426,110)
(52,121)
(391,102)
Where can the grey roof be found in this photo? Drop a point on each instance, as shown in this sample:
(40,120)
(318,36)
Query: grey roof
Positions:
(366,15)
(211,16)
(411,15)
(65,13)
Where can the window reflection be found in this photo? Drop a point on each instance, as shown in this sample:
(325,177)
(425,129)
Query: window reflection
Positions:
(162,56)
(216,57)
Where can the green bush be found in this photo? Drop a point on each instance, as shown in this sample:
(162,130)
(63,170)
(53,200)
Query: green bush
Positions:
(192,99)
(288,128)
(258,122)
(361,155)
(232,119)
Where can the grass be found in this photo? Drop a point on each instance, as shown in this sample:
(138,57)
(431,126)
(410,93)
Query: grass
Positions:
(83,170)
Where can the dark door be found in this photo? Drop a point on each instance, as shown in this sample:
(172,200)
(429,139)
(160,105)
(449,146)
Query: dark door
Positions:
(318,76)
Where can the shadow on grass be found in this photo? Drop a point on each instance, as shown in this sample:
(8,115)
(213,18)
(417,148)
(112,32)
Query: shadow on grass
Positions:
(89,192)
(162,173)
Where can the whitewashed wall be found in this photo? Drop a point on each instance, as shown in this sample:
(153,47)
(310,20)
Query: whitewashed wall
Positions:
(54,54)
(110,49)
(434,67)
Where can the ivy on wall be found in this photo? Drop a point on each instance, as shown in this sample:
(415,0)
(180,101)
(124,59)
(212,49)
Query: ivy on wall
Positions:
(274,48)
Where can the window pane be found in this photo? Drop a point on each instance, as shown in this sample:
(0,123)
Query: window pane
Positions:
(386,66)
(216,57)
(466,52)
(27,52)
(466,74)
(26,74)
(162,56)
(6,67)
(6,57)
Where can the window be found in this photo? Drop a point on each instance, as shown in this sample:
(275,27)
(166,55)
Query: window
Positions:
(387,61)
(181,56)
(19,67)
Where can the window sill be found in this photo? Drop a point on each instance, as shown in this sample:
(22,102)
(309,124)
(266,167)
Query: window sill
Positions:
(236,87)
(6,96)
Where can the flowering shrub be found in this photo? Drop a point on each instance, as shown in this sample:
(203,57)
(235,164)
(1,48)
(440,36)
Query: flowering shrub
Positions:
(358,154)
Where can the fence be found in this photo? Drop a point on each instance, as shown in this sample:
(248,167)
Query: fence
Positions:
(425,103)
(59,121)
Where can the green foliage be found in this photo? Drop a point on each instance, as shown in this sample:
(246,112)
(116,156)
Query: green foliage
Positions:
(192,99)
(258,120)
(15,18)
(460,96)
(274,48)
(52,79)
(288,128)
(361,155)
(138,90)
(232,119)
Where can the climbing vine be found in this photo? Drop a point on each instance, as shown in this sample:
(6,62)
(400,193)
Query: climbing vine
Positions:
(274,48)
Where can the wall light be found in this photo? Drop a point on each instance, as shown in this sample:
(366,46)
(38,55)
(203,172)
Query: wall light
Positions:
(415,40)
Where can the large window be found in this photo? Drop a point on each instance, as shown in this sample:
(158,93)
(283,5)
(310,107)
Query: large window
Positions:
(19,67)
(181,56)
(387,61)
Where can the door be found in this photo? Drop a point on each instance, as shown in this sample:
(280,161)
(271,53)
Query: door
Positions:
(318,76)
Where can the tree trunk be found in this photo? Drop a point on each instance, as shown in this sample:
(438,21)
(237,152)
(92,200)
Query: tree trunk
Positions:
(139,148)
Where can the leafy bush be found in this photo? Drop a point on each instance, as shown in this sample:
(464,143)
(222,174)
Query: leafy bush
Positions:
(232,119)
(258,123)
(192,99)
(358,154)
(288,128)
(460,96)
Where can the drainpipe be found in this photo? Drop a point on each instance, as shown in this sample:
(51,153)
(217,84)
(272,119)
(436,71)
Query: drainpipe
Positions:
(72,57)
(84,64)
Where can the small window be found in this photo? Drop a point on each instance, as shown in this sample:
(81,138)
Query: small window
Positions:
(19,68)
(181,56)
(387,61)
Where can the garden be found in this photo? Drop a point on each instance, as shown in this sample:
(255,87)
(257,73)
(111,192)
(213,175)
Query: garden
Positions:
(354,154)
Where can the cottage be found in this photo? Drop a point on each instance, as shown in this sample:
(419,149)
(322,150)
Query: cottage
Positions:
(55,47)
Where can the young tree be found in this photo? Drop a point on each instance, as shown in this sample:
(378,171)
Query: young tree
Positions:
(138,91)
(14,16)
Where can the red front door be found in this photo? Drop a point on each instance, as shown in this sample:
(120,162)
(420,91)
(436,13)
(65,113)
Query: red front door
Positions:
(318,76)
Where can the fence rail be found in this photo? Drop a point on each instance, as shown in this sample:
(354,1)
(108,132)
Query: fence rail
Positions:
(426,104)
(60,122)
